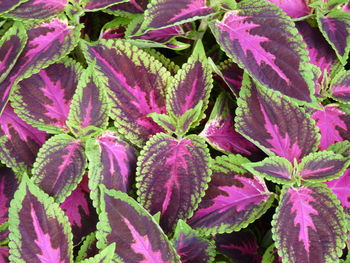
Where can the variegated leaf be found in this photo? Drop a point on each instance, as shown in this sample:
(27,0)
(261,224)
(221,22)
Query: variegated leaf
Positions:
(264,41)
(306,219)
(11,46)
(47,43)
(88,249)
(60,166)
(136,87)
(335,27)
(172,176)
(271,255)
(19,141)
(112,162)
(232,75)
(192,247)
(340,86)
(293,8)
(105,256)
(44,99)
(276,125)
(234,199)
(94,5)
(37,9)
(89,105)
(39,230)
(8,185)
(128,8)
(4,254)
(137,236)
(7,5)
(219,131)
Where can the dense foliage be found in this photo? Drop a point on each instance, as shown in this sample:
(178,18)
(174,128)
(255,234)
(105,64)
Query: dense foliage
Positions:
(174,131)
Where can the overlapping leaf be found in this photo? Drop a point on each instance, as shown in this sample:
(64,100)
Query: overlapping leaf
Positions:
(101,4)
(172,176)
(309,225)
(219,131)
(164,13)
(340,87)
(60,166)
(39,230)
(11,46)
(44,99)
(263,41)
(105,256)
(4,254)
(274,124)
(37,9)
(20,142)
(8,186)
(136,87)
(129,8)
(335,27)
(88,248)
(7,5)
(293,8)
(232,75)
(112,162)
(89,105)
(334,125)
(137,236)
(47,43)
(234,199)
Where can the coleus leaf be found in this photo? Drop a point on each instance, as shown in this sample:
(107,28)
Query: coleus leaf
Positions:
(105,256)
(20,142)
(306,219)
(47,43)
(340,86)
(44,99)
(192,247)
(240,246)
(112,162)
(342,148)
(89,105)
(11,46)
(88,248)
(165,121)
(172,176)
(60,166)
(137,236)
(232,75)
(219,131)
(81,214)
(39,229)
(8,185)
(7,5)
(276,125)
(260,38)
(271,255)
(136,87)
(234,199)
(165,13)
(293,8)
(37,9)
(192,84)
(335,27)
(128,8)
(334,125)
(4,254)
(94,5)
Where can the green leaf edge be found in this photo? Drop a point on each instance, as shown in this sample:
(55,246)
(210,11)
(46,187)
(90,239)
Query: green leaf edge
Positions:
(339,77)
(105,255)
(88,241)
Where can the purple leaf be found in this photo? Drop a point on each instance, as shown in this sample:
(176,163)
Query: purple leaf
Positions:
(273,123)
(101,4)
(232,75)
(341,188)
(20,142)
(275,169)
(162,35)
(112,162)
(137,236)
(131,7)
(165,13)
(39,230)
(4,255)
(136,85)
(240,246)
(322,166)
(60,166)
(47,43)
(234,198)
(11,46)
(263,41)
(7,5)
(89,105)
(335,28)
(333,123)
(81,214)
(8,186)
(172,176)
(340,86)
(37,9)
(293,8)
(309,225)
(219,131)
(44,99)
(191,247)
(105,255)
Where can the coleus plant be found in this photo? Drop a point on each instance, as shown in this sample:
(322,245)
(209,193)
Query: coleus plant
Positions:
(174,131)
